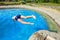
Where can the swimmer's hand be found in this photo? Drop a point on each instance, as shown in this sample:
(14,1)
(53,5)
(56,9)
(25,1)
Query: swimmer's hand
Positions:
(31,23)
(34,16)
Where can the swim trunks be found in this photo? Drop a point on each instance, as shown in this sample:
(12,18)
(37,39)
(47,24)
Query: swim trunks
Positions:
(18,17)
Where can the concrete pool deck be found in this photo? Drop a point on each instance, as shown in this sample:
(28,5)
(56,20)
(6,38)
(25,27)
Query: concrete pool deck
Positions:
(54,14)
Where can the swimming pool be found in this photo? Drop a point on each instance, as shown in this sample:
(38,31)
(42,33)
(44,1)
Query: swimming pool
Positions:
(14,30)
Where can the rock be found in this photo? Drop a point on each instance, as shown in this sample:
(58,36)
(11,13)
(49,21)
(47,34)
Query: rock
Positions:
(40,35)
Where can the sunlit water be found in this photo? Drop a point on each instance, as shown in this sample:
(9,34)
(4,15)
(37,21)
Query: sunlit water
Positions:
(14,30)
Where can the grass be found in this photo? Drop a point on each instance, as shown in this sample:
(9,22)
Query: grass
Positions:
(10,3)
(48,5)
(51,5)
(43,4)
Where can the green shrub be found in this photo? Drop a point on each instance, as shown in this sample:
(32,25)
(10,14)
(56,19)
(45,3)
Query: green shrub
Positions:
(10,3)
(23,2)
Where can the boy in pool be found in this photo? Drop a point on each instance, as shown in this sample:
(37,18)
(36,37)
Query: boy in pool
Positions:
(19,18)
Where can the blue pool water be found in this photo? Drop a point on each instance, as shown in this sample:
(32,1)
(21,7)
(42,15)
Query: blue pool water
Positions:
(14,30)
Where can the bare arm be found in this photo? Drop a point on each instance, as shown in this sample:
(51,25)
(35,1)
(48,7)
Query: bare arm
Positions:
(24,22)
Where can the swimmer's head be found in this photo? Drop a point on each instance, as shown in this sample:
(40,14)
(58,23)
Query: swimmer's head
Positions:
(13,17)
